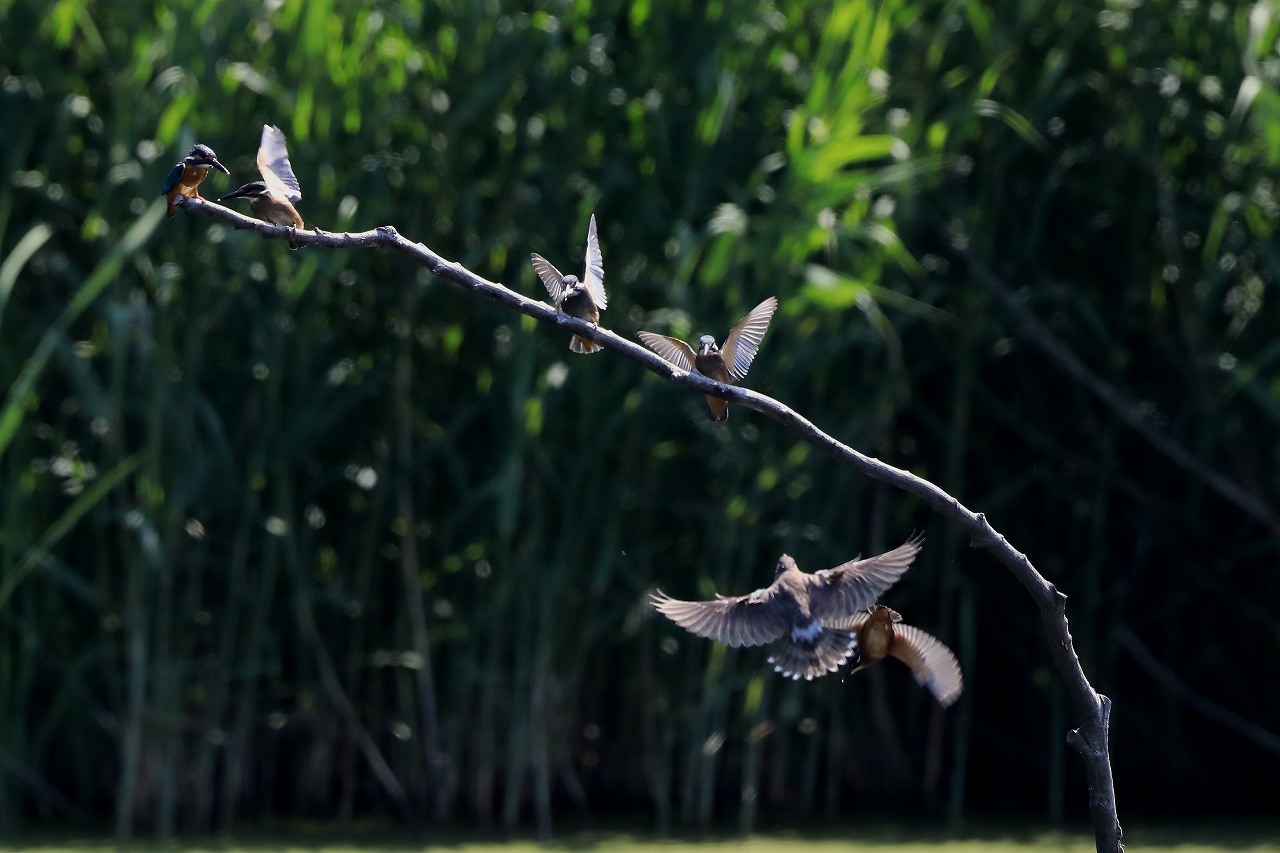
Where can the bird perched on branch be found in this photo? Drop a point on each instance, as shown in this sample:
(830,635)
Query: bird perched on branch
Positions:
(799,607)
(881,633)
(583,299)
(727,364)
(185,176)
(272,198)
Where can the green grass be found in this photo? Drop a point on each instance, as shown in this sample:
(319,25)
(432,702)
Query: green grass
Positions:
(1183,838)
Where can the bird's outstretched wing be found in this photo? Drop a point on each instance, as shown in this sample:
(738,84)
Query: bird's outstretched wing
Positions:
(743,343)
(551,278)
(932,663)
(838,593)
(672,349)
(273,163)
(744,620)
(594,279)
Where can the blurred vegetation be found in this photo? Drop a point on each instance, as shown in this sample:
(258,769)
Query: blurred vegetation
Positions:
(1210,837)
(298,534)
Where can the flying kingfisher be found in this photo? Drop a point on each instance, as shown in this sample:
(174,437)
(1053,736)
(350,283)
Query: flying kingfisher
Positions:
(802,607)
(582,299)
(880,633)
(185,176)
(271,199)
(727,364)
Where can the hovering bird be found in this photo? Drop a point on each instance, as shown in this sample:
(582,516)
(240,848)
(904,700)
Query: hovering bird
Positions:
(727,364)
(881,633)
(582,299)
(185,176)
(800,607)
(271,199)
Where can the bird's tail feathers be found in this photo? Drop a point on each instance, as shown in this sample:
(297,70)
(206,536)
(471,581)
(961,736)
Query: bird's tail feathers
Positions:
(583,346)
(827,652)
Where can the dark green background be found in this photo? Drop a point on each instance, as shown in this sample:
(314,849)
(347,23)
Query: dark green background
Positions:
(269,515)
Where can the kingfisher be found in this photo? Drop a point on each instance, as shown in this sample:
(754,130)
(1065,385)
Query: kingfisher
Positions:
(583,299)
(185,176)
(725,364)
(801,607)
(881,632)
(271,199)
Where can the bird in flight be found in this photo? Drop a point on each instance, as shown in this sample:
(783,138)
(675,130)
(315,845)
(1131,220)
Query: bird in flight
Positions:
(881,633)
(801,608)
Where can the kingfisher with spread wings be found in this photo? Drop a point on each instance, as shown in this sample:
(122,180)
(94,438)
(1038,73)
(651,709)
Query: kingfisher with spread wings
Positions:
(584,298)
(881,633)
(725,364)
(272,198)
(802,608)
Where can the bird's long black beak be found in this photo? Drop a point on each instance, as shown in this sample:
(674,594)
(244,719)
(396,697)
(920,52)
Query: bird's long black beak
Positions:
(241,192)
(218,165)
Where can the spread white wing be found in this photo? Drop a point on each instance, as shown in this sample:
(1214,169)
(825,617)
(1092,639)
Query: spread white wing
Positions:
(743,343)
(551,278)
(595,268)
(672,349)
(273,163)
(932,663)
(743,620)
(838,593)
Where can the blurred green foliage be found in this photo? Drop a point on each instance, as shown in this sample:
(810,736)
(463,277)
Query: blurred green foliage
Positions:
(312,533)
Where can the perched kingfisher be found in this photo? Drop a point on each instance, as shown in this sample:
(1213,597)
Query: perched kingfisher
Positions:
(582,299)
(185,176)
(271,199)
(880,633)
(802,606)
(727,364)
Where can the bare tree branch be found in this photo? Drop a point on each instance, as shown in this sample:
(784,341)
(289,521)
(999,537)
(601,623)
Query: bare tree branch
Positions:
(1093,710)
